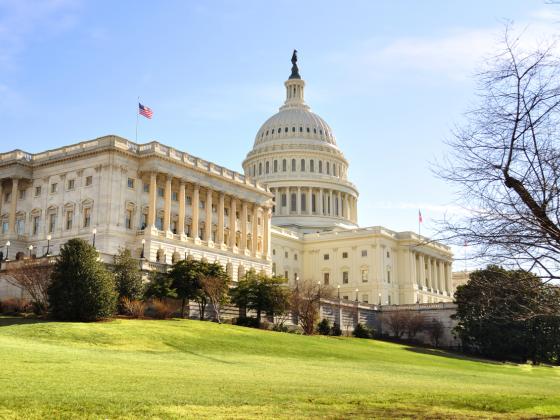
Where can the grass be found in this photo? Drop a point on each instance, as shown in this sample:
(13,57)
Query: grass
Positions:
(192,369)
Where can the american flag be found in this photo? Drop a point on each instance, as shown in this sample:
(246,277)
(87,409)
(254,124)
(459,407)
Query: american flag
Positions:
(420,217)
(145,111)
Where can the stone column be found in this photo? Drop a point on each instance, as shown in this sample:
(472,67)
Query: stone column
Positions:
(195,202)
(181,224)
(346,207)
(441,277)
(152,203)
(355,210)
(298,201)
(220,234)
(13,206)
(331,206)
(232,222)
(208,218)
(167,204)
(320,203)
(1,198)
(339,204)
(422,262)
(448,278)
(255,233)
(266,232)
(309,195)
(243,226)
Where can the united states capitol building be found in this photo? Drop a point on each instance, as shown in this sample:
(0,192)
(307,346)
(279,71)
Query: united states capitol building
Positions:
(294,211)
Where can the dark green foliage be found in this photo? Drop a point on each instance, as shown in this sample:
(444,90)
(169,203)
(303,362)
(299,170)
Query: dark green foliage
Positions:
(361,331)
(128,276)
(335,330)
(324,327)
(247,322)
(159,287)
(82,289)
(509,315)
(261,294)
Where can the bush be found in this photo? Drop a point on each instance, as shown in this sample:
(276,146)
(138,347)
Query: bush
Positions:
(335,330)
(13,306)
(324,327)
(361,331)
(82,289)
(128,277)
(247,322)
(133,308)
(280,328)
(160,309)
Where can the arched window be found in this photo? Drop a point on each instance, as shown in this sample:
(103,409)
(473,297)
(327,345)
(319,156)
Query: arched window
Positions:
(267,165)
(275,166)
(260,168)
(320,166)
(293,165)
(311,165)
(302,165)
(334,169)
(328,168)
(293,202)
(284,165)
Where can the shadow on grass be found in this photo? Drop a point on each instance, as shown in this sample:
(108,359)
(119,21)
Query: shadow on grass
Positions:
(450,355)
(8,321)
(203,356)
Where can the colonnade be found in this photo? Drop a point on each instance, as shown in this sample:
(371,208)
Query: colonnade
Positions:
(238,233)
(14,196)
(431,273)
(315,201)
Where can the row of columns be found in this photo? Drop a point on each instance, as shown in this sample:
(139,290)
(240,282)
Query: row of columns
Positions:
(13,204)
(220,231)
(325,202)
(431,272)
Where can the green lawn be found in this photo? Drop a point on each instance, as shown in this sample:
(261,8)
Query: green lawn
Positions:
(180,368)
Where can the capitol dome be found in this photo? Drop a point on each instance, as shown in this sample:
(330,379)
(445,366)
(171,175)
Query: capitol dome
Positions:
(295,154)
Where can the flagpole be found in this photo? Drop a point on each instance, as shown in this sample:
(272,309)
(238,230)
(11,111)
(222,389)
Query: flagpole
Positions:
(136,138)
(419,222)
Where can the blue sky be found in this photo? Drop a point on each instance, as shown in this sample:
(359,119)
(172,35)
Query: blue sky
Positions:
(392,78)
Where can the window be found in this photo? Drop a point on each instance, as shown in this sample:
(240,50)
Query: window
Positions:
(326,278)
(293,202)
(328,168)
(22,194)
(293,165)
(4,226)
(364,275)
(286,274)
(201,204)
(303,202)
(160,192)
(35,227)
(286,130)
(130,183)
(365,298)
(388,254)
(214,208)
(260,168)
(70,185)
(285,254)
(293,128)
(302,165)
(295,257)
(389,299)
(146,187)
(188,199)
(284,167)
(275,166)
(20,226)
(273,269)
(175,196)
(313,205)
(284,200)
(69,219)
(87,217)
(273,252)
(311,166)
(345,255)
(388,276)
(52,222)
(37,191)
(364,252)
(89,180)
(345,297)
(325,256)
(144,221)
(226,212)
(267,166)
(345,277)
(54,187)
(128,219)
(7,197)
(320,166)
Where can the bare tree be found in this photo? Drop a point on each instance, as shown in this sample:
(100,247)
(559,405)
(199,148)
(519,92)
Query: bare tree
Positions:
(505,163)
(435,331)
(397,321)
(34,277)
(416,323)
(306,299)
(216,288)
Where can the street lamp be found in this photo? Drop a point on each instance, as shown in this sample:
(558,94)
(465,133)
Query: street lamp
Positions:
(379,299)
(7,249)
(94,231)
(143,248)
(338,287)
(356,294)
(30,250)
(319,289)
(49,237)
(297,282)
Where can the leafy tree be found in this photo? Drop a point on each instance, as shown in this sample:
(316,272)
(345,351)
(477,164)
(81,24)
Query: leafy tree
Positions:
(128,276)
(185,276)
(360,331)
(159,286)
(82,289)
(324,327)
(503,314)
(335,330)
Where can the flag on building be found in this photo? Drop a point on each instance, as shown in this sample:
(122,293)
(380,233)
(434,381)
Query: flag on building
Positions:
(145,111)
(419,216)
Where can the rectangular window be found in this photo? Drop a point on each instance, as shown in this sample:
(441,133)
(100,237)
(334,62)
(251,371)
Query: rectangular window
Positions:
(345,297)
(326,256)
(52,222)
(7,197)
(22,194)
(388,276)
(36,221)
(226,212)
(326,278)
(365,298)
(389,299)
(20,226)
(70,185)
(285,274)
(160,192)
(89,180)
(295,257)
(175,196)
(69,218)
(144,221)
(87,217)
(37,191)
(201,204)
(146,188)
(364,252)
(5,226)
(128,219)
(345,277)
(284,200)
(54,187)
(189,200)
(214,208)
(285,254)
(364,275)
(130,183)
(345,255)
(388,254)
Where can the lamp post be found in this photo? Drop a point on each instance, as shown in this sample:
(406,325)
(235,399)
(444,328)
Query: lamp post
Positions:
(379,299)
(7,249)
(49,237)
(357,294)
(319,289)
(30,250)
(94,231)
(143,248)
(338,288)
(297,283)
